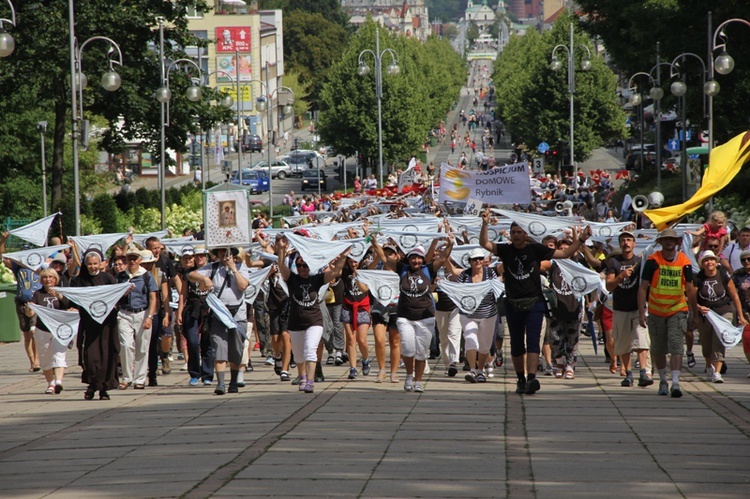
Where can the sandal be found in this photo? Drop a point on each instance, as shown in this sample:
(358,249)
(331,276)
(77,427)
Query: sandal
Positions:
(569,374)
(50,390)
(691,359)
(558,372)
(394,378)
(34,369)
(122,386)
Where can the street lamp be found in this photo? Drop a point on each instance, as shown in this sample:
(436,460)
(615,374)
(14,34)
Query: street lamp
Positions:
(363,70)
(261,104)
(556,65)
(679,89)
(42,127)
(7,44)
(110,81)
(164,95)
(636,99)
(226,101)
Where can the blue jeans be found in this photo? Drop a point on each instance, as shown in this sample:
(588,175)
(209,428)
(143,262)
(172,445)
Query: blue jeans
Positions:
(200,351)
(525,326)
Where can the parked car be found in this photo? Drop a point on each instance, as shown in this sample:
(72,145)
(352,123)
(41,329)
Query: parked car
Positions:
(279,169)
(253,143)
(311,178)
(256,181)
(305,158)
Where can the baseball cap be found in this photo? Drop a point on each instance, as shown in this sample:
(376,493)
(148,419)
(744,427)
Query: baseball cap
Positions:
(417,250)
(625,233)
(477,253)
(60,258)
(391,247)
(188,251)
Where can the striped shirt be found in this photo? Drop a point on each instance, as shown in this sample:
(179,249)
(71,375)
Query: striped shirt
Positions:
(488,307)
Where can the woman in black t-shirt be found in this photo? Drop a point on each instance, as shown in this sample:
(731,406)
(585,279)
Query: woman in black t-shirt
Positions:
(305,316)
(52,353)
(715,291)
(416,312)
(355,316)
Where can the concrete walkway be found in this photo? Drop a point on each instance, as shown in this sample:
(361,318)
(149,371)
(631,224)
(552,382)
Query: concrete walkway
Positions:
(587,437)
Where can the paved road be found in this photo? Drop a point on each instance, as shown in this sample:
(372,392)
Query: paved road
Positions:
(587,437)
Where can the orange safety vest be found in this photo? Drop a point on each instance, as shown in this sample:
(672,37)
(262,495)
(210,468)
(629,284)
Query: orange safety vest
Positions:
(667,293)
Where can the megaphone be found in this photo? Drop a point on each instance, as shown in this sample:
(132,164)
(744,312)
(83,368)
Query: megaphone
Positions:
(559,207)
(640,203)
(568,205)
(655,199)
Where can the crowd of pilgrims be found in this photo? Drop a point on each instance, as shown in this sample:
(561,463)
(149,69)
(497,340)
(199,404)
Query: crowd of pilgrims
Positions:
(307,296)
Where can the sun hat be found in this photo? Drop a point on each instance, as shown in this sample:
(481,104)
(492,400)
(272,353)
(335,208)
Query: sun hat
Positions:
(706,255)
(477,253)
(417,250)
(60,258)
(667,234)
(147,256)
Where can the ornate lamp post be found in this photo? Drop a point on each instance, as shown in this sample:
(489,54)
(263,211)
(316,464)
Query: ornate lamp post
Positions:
(7,44)
(363,70)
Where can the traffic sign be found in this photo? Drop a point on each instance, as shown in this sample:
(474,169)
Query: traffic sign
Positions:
(704,136)
(543,147)
(673,145)
(538,165)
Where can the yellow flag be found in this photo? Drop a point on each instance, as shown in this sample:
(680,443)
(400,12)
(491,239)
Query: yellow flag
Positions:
(724,164)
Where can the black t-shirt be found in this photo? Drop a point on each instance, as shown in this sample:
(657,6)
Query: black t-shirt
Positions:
(304,308)
(568,306)
(277,297)
(415,299)
(625,295)
(351,290)
(712,291)
(48,300)
(521,268)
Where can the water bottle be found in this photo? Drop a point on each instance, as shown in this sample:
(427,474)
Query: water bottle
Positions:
(441,273)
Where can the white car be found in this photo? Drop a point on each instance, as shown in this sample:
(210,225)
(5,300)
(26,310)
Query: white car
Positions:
(279,169)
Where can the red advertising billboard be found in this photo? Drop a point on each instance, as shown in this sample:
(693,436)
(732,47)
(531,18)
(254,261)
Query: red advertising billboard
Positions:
(231,38)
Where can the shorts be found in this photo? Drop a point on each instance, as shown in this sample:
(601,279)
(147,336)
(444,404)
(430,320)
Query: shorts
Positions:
(363,315)
(278,320)
(227,343)
(384,315)
(606,319)
(627,332)
(26,323)
(667,333)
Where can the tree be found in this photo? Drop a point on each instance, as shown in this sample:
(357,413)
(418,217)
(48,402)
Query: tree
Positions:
(679,26)
(533,101)
(413,101)
(38,73)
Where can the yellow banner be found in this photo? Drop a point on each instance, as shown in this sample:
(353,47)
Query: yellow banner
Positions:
(723,165)
(246,92)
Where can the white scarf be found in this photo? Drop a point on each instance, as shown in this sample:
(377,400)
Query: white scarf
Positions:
(383,284)
(255,283)
(178,248)
(317,254)
(409,225)
(607,229)
(140,239)
(580,279)
(35,232)
(360,246)
(62,324)
(410,240)
(729,334)
(687,243)
(98,301)
(537,226)
(468,295)
(34,258)
(101,242)
(327,232)
(222,313)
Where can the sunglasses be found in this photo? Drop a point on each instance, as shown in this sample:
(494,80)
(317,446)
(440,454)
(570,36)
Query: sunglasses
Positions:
(743,260)
(712,247)
(477,259)
(302,265)
(131,258)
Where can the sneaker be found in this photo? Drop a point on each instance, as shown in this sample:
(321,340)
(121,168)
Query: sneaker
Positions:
(353,373)
(533,386)
(180,356)
(409,383)
(418,388)
(710,375)
(193,382)
(471,377)
(233,388)
(284,376)
(481,378)
(309,387)
(256,347)
(489,371)
(675,392)
(499,360)
(344,357)
(365,367)
(207,382)
(297,380)
(153,382)
(718,379)
(627,381)
(220,390)
(645,380)
(521,386)
(453,370)
(330,360)
(270,360)
(339,358)
(302,383)
(663,388)
(184,368)
(467,367)
(165,366)
(549,370)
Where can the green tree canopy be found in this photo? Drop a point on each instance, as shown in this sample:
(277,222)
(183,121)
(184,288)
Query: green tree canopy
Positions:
(533,101)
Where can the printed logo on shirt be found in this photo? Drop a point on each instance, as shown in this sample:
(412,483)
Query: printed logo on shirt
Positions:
(414,282)
(468,302)
(520,274)
(627,283)
(307,299)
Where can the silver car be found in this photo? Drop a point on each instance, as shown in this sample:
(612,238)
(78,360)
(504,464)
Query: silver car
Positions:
(279,169)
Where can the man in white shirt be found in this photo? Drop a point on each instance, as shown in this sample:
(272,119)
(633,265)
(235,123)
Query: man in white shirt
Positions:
(733,251)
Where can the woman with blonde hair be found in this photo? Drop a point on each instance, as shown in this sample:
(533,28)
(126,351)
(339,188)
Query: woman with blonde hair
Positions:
(52,353)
